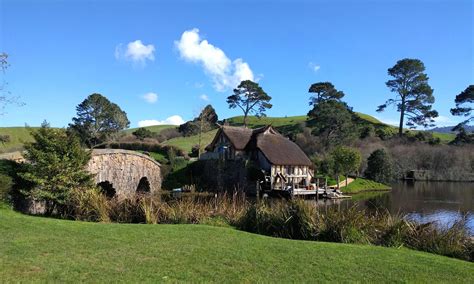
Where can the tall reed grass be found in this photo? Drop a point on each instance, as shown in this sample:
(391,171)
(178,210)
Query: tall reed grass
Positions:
(294,219)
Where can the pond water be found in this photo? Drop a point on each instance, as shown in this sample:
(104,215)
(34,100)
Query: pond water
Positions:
(440,202)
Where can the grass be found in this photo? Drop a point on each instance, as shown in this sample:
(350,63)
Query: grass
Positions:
(154,128)
(362,184)
(187,143)
(254,122)
(52,250)
(18,136)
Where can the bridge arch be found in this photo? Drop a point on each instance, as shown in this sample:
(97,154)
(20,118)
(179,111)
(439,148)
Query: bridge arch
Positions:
(126,171)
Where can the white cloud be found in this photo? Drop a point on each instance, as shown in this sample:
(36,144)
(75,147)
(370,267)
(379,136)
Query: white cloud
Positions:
(224,73)
(444,121)
(172,120)
(204,97)
(314,67)
(150,97)
(136,52)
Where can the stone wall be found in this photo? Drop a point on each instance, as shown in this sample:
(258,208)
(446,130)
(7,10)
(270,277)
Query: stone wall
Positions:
(124,169)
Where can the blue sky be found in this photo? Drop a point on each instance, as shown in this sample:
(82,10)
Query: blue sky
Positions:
(160,60)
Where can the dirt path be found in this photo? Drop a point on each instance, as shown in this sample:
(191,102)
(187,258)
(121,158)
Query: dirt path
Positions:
(343,183)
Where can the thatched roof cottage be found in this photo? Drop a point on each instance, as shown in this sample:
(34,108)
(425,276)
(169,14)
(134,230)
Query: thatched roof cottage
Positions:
(283,162)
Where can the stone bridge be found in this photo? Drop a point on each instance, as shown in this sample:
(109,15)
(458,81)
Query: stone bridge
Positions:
(123,172)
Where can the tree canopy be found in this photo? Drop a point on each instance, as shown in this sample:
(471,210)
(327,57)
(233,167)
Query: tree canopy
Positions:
(324,91)
(345,160)
(97,119)
(464,105)
(250,98)
(56,166)
(414,97)
(206,121)
(379,167)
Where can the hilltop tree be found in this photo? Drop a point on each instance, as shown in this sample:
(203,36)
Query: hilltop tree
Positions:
(250,98)
(345,160)
(97,119)
(324,91)
(414,97)
(333,122)
(56,166)
(464,106)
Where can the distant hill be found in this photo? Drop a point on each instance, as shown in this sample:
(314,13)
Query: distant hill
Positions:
(448,129)
(153,128)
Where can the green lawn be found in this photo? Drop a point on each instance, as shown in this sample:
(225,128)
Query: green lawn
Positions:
(187,143)
(18,136)
(362,184)
(154,128)
(50,250)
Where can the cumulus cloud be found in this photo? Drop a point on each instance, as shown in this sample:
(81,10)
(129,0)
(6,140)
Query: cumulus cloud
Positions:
(224,72)
(136,52)
(172,120)
(314,67)
(150,97)
(204,97)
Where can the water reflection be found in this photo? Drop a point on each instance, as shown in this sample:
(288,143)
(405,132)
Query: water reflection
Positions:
(440,202)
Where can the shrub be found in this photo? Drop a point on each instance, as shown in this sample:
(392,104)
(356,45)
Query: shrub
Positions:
(6,184)
(379,167)
(142,133)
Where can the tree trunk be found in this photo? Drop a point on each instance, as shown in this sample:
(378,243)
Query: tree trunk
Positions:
(402,117)
(337,181)
(346,181)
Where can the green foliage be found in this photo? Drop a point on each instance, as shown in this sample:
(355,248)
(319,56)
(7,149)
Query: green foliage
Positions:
(345,160)
(206,121)
(414,97)
(333,121)
(6,183)
(464,105)
(379,167)
(97,119)
(57,166)
(250,98)
(324,91)
(142,133)
(462,137)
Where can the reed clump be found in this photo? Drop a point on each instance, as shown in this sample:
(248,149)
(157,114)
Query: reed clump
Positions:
(293,219)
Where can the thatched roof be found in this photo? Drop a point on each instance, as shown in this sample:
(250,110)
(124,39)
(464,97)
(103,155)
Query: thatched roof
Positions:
(278,149)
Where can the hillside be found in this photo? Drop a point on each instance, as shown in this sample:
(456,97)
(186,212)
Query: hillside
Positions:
(52,250)
(286,125)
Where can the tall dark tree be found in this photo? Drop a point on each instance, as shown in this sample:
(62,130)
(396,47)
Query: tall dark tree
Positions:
(333,122)
(464,106)
(379,167)
(250,98)
(414,96)
(97,119)
(323,91)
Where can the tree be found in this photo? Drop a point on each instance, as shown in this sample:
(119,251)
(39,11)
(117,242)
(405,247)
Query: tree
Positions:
(344,161)
(56,166)
(142,133)
(464,106)
(207,118)
(333,121)
(379,167)
(5,95)
(324,91)
(97,119)
(250,98)
(206,121)
(414,97)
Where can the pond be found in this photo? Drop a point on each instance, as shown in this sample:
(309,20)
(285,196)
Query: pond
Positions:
(440,202)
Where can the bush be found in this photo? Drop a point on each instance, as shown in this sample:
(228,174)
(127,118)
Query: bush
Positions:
(6,184)
(142,133)
(379,167)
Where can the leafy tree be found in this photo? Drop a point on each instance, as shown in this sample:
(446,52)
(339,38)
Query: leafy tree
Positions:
(345,161)
(250,98)
(56,166)
(142,133)
(324,91)
(333,121)
(379,167)
(414,97)
(206,121)
(462,137)
(464,107)
(97,119)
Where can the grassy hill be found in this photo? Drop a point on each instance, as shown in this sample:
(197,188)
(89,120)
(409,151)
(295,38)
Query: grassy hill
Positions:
(285,124)
(18,136)
(52,250)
